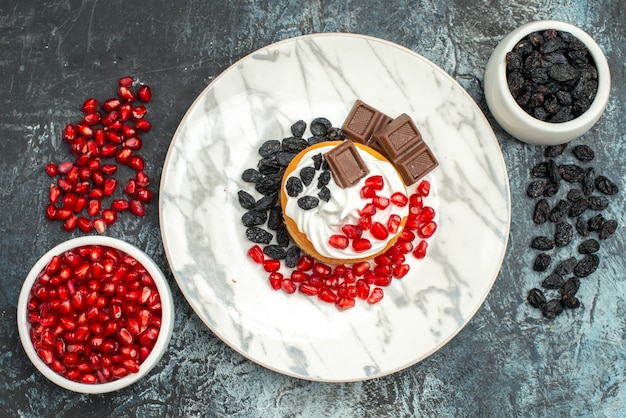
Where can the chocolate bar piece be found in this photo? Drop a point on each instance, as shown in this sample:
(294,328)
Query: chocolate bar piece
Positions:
(403,145)
(363,121)
(346,164)
(416,163)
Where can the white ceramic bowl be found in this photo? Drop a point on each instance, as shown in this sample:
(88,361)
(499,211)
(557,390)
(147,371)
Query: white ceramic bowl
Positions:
(514,119)
(167,315)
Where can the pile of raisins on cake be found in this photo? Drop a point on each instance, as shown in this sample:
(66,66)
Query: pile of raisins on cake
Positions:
(570,198)
(552,76)
(264,217)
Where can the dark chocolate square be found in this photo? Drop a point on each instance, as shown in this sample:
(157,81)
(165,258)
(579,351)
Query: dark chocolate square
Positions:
(398,137)
(363,121)
(346,164)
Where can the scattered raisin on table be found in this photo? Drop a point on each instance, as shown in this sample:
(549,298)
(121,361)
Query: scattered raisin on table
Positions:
(536,298)
(542,262)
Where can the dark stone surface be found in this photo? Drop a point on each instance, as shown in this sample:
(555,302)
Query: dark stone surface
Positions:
(507,362)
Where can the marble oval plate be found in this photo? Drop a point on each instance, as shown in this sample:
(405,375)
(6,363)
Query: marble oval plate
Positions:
(257,99)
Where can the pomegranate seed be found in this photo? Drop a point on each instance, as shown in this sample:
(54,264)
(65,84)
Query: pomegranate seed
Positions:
(95,194)
(322,270)
(416,200)
(85,224)
(299,276)
(109,216)
(423,188)
(368,210)
(339,241)
(144,195)
(379,231)
(108,169)
(256,254)
(305,263)
(138,112)
(142,179)
(90,105)
(137,208)
(54,193)
(271,265)
(427,230)
(345,303)
(51,169)
(92,118)
(93,207)
(143,125)
(125,112)
(288,286)
(65,167)
(111,104)
(136,163)
(400,270)
(399,199)
(133,143)
(383,269)
(351,231)
(276,280)
(120,205)
(144,93)
(375,182)
(380,202)
(365,223)
(126,94)
(427,214)
(108,150)
(84,130)
(128,131)
(382,280)
(393,224)
(359,269)
(109,186)
(368,192)
(99,225)
(126,81)
(70,223)
(420,249)
(376,296)
(361,244)
(114,137)
(308,289)
(362,289)
(406,236)
(69,133)
(123,156)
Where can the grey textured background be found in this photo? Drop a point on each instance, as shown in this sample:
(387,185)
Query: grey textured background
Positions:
(507,362)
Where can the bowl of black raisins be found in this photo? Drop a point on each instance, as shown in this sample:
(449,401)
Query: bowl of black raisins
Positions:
(547,83)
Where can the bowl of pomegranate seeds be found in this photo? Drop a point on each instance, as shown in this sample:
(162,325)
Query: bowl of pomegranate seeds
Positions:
(95,314)
(547,83)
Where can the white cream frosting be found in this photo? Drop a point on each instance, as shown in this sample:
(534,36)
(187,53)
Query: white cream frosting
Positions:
(327,219)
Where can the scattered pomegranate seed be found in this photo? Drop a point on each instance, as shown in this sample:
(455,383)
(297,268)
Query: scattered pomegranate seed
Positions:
(399,199)
(361,244)
(376,296)
(276,280)
(420,250)
(271,265)
(376,182)
(339,241)
(144,93)
(379,231)
(427,229)
(305,263)
(393,224)
(126,81)
(423,188)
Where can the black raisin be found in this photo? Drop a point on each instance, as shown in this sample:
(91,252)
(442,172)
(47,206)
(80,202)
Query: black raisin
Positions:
(589,246)
(298,128)
(607,229)
(583,152)
(595,223)
(587,265)
(571,172)
(540,170)
(578,207)
(253,218)
(323,179)
(293,186)
(542,243)
(552,308)
(553,281)
(324,194)
(292,256)
(536,188)
(320,126)
(551,189)
(542,262)
(251,175)
(554,150)
(570,302)
(308,202)
(282,236)
(317,161)
(570,287)
(283,158)
(563,233)
(316,139)
(565,267)
(294,144)
(258,235)
(275,251)
(246,200)
(335,134)
(269,148)
(598,202)
(536,298)
(553,171)
(266,202)
(575,194)
(307,174)
(560,210)
(582,226)
(268,184)
(606,186)
(268,166)
(542,211)
(275,218)
(589,181)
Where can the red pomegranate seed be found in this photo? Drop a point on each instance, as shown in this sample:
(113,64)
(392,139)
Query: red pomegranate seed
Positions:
(92,118)
(379,231)
(393,224)
(380,202)
(114,137)
(109,216)
(51,169)
(288,286)
(406,236)
(136,163)
(322,270)
(54,193)
(84,130)
(345,303)
(69,133)
(423,188)
(305,263)
(361,244)
(143,125)
(308,289)
(125,112)
(51,212)
(427,214)
(376,296)
(70,223)
(327,295)
(276,280)
(111,104)
(271,265)
(351,231)
(400,270)
(137,208)
(123,155)
(360,268)
(144,93)
(144,195)
(362,289)
(85,224)
(108,150)
(399,199)
(109,186)
(368,192)
(416,200)
(427,229)
(376,182)
(142,179)
(126,94)
(64,167)
(108,169)
(120,205)
(338,241)
(368,210)
(93,207)
(138,112)
(126,81)
(365,223)
(256,254)
(382,280)
(99,225)
(133,143)
(128,131)
(299,276)
(420,249)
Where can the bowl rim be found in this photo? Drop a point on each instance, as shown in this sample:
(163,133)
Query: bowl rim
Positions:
(167,314)
(598,105)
